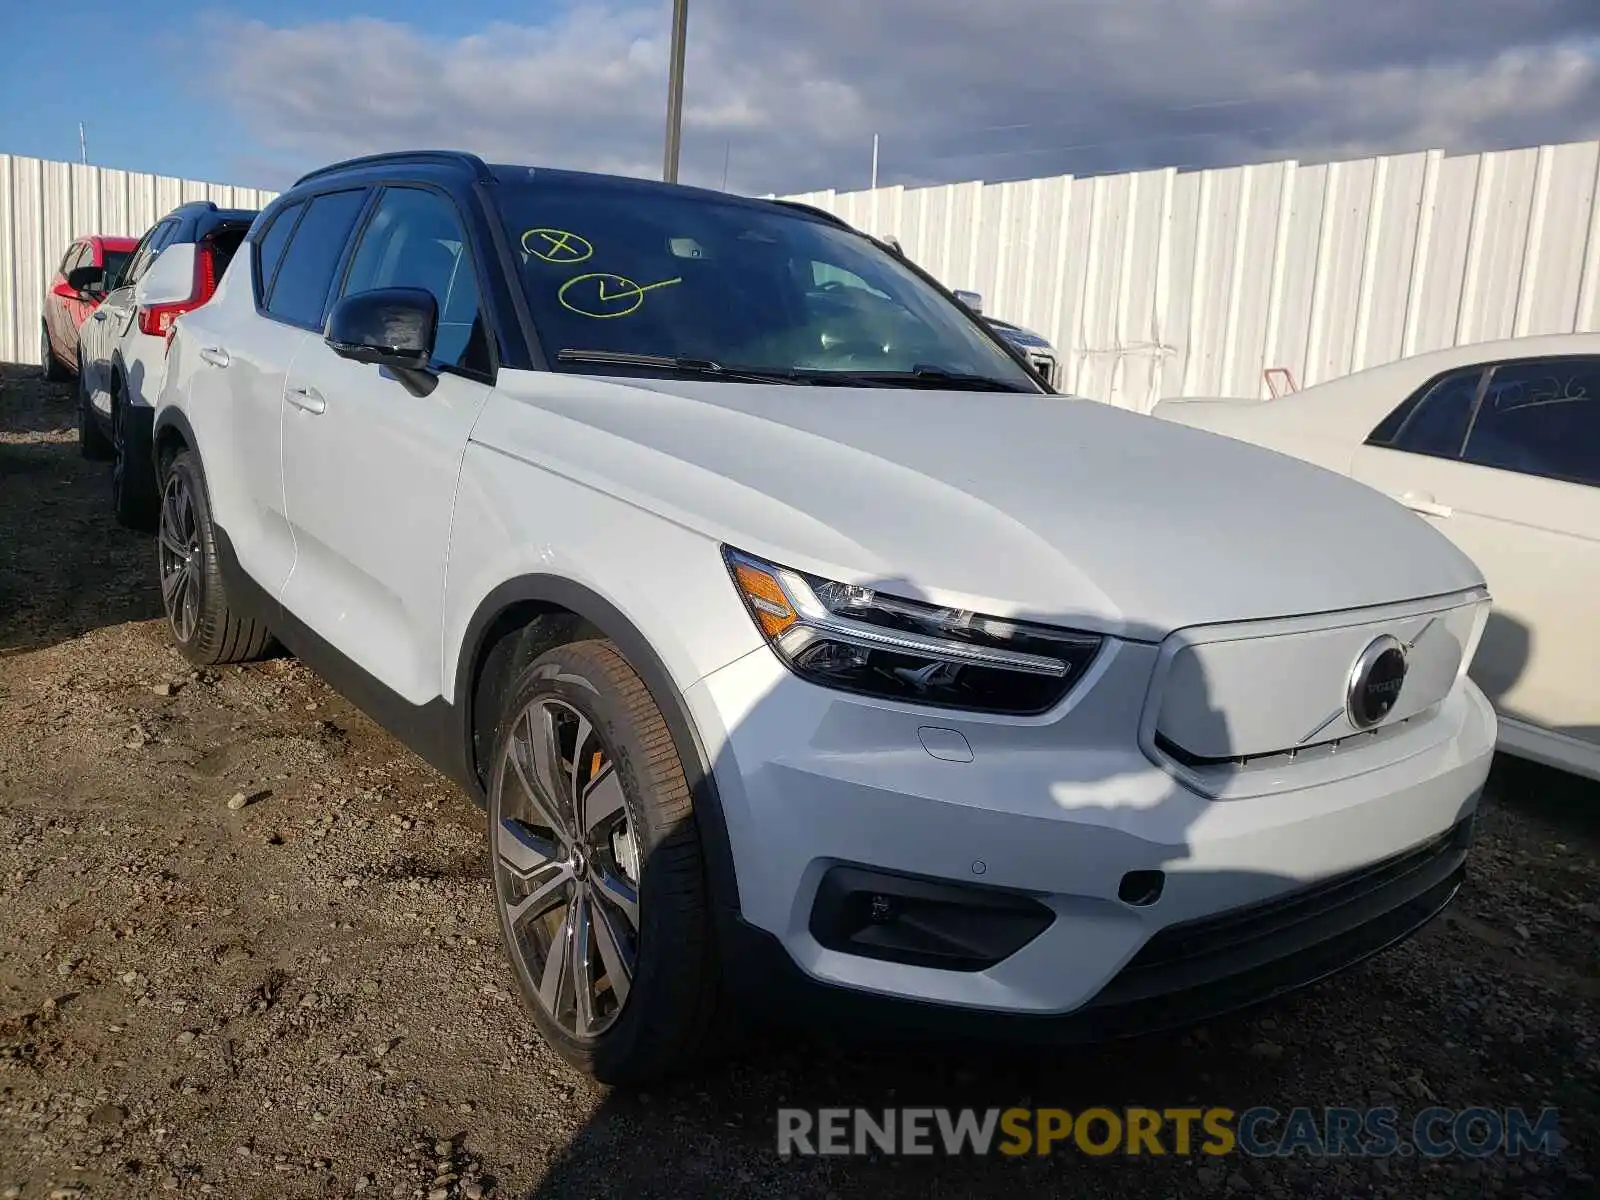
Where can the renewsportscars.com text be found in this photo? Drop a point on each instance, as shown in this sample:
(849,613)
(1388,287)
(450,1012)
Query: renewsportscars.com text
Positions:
(1258,1132)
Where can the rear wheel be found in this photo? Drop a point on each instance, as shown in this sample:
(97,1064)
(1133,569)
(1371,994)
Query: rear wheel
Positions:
(92,440)
(597,868)
(50,365)
(205,629)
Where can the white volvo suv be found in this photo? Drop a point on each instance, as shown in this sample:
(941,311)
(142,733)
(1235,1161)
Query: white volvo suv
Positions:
(801,647)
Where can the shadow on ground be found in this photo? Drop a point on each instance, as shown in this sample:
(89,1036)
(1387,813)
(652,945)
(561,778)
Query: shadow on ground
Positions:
(66,567)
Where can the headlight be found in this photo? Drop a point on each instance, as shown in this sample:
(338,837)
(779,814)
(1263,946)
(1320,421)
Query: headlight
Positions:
(859,640)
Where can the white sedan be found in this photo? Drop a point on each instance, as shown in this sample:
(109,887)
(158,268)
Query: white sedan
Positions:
(1498,446)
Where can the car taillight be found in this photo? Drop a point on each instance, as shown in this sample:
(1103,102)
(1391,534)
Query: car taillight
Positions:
(157,320)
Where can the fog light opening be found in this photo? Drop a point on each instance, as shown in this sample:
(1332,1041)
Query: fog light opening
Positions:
(1140,889)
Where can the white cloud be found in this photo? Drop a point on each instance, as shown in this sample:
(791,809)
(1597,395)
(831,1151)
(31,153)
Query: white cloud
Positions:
(793,93)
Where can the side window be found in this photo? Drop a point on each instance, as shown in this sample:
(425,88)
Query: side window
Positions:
(151,243)
(1434,423)
(269,246)
(305,273)
(1541,418)
(72,257)
(415,239)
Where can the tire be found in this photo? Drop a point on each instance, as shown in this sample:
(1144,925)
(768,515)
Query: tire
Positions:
(50,365)
(134,498)
(626,766)
(93,443)
(207,632)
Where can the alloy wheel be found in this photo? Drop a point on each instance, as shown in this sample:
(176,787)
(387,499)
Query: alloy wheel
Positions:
(566,863)
(179,555)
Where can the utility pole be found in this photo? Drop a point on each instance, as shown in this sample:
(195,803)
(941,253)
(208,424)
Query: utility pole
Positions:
(680,31)
(874,162)
(83,145)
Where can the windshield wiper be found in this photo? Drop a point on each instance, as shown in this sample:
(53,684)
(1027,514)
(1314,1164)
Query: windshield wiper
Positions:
(920,377)
(681,364)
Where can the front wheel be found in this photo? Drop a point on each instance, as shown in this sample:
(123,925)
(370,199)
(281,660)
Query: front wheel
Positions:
(205,629)
(597,868)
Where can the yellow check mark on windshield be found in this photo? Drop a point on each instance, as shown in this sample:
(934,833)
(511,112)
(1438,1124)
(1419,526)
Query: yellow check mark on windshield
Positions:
(630,289)
(615,295)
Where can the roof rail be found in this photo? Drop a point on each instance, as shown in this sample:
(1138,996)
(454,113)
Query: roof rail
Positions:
(831,218)
(454,158)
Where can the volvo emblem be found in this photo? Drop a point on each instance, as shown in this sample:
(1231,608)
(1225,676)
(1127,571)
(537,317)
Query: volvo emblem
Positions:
(1375,681)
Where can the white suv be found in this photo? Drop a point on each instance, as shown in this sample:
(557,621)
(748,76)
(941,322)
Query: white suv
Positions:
(122,348)
(801,647)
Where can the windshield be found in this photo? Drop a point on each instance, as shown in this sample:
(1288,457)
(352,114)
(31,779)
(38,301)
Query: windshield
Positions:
(747,288)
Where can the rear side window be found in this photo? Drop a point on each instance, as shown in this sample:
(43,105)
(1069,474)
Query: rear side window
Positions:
(1541,418)
(305,272)
(1437,424)
(269,247)
(153,241)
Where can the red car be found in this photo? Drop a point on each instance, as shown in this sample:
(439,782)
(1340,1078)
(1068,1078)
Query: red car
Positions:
(84,276)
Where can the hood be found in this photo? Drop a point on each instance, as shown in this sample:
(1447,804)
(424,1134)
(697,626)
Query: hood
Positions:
(1047,507)
(1313,432)
(1200,411)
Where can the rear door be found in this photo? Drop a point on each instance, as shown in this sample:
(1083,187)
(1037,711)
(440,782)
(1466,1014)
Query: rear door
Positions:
(1505,460)
(370,470)
(292,265)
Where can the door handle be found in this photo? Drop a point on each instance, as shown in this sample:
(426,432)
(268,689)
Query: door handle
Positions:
(307,398)
(215,355)
(1424,503)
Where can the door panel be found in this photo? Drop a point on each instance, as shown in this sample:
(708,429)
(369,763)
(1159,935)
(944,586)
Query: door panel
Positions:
(250,504)
(369,481)
(370,470)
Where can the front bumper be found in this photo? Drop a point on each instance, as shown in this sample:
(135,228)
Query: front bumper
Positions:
(1277,890)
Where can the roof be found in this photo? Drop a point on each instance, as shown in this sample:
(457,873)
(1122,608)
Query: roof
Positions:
(1431,362)
(470,166)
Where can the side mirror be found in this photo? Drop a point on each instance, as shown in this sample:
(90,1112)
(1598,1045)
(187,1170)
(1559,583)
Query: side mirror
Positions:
(388,327)
(973,300)
(169,279)
(84,281)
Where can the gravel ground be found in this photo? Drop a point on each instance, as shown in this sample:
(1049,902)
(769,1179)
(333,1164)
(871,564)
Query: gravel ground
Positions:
(247,950)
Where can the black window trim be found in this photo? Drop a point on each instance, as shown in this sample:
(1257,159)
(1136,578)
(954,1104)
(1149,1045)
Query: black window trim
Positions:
(491,338)
(339,266)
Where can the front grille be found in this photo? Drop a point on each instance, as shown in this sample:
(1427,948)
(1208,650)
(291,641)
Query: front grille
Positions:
(1195,970)
(1278,758)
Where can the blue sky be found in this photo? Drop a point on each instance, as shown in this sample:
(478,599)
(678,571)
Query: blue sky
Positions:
(141,92)
(785,95)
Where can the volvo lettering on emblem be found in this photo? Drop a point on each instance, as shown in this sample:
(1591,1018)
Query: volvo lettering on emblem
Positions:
(1375,682)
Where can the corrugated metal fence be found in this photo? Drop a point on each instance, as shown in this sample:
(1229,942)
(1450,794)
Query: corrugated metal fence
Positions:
(44,205)
(1151,284)
(1159,283)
